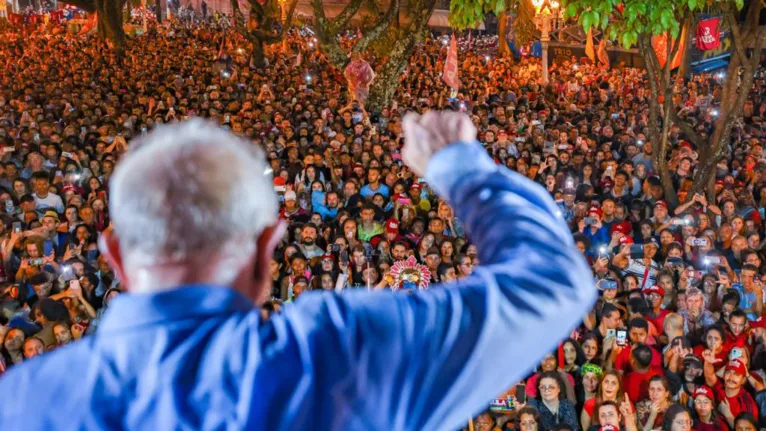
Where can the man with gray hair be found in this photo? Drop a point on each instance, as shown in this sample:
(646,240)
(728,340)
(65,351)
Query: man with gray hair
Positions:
(195,226)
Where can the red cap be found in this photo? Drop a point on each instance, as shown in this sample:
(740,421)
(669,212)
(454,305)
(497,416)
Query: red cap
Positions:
(392,225)
(357,165)
(279,181)
(624,227)
(654,289)
(328,256)
(595,210)
(737,366)
(760,323)
(416,186)
(625,240)
(662,204)
(720,183)
(703,391)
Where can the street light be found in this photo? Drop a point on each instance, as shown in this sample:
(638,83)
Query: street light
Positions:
(544,10)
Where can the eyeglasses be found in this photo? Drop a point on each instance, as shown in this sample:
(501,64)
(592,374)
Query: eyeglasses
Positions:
(548,388)
(702,402)
(683,422)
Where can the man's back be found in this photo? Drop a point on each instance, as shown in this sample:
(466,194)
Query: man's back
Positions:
(199,357)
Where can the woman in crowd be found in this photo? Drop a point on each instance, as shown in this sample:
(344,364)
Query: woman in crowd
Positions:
(551,402)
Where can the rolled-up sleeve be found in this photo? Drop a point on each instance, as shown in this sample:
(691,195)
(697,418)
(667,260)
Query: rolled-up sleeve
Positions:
(433,359)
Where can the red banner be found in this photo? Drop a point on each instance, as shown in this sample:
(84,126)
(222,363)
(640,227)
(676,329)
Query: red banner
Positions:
(708,35)
(450,66)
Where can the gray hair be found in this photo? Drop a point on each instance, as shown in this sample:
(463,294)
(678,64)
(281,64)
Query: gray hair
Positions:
(189,190)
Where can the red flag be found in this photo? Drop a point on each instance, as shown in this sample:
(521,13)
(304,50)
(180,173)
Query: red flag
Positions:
(708,36)
(602,55)
(660,45)
(450,65)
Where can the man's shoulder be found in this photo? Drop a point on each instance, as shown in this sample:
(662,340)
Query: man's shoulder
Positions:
(44,380)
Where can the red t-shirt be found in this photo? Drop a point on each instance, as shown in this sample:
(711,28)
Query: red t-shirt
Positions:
(636,384)
(659,320)
(622,361)
(742,402)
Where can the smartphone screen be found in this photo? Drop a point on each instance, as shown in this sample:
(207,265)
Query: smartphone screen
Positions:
(521,393)
(622,337)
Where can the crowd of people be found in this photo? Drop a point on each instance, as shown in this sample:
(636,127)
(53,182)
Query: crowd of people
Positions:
(676,340)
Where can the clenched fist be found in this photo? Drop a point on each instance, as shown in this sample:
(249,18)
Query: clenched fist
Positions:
(427,134)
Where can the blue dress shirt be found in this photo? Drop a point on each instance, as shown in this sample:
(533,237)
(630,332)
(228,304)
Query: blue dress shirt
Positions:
(200,357)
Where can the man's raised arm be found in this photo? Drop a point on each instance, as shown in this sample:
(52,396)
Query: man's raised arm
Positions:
(433,359)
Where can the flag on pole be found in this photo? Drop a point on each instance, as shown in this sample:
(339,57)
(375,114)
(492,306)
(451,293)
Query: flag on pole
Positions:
(450,65)
(589,49)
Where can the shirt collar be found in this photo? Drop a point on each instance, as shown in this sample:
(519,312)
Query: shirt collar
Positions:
(137,309)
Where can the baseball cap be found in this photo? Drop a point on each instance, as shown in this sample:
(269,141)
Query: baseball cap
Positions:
(737,366)
(416,186)
(703,391)
(654,289)
(661,203)
(625,240)
(290,195)
(692,359)
(392,225)
(607,284)
(328,256)
(759,323)
(595,210)
(624,227)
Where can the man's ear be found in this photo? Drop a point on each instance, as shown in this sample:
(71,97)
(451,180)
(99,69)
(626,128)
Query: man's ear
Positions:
(109,245)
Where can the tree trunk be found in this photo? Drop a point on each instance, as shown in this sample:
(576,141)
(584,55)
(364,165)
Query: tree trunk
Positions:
(158,6)
(502,35)
(110,24)
(386,81)
(257,53)
(128,10)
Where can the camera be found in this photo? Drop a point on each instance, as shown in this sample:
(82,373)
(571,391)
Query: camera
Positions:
(334,248)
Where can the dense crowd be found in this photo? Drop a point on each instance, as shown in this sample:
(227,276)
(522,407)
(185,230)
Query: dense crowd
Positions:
(676,340)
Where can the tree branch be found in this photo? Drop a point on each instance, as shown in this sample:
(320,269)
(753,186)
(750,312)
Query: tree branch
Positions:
(687,130)
(341,21)
(374,33)
(736,37)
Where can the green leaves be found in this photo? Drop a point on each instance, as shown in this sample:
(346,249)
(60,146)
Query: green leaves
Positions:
(469,13)
(639,17)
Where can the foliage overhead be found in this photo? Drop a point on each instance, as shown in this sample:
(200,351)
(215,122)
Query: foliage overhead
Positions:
(468,13)
(625,20)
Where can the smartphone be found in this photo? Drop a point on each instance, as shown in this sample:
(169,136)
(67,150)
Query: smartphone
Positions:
(521,393)
(9,206)
(679,222)
(8,149)
(334,248)
(404,201)
(622,337)
(66,154)
(637,251)
(74,285)
(610,333)
(589,221)
(616,115)
(17,227)
(675,261)
(344,257)
(699,242)
(736,353)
